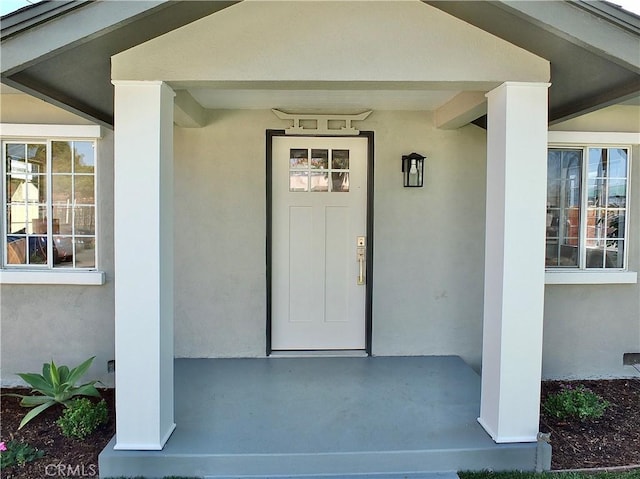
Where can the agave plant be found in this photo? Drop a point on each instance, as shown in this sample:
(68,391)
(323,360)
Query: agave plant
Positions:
(56,385)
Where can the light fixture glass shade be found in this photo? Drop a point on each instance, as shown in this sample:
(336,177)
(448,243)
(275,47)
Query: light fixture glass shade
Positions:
(412,170)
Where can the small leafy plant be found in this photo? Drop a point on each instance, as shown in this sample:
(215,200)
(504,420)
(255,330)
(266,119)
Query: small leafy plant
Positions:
(579,402)
(82,417)
(56,385)
(17,453)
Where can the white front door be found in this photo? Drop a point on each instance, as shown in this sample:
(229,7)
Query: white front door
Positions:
(319,203)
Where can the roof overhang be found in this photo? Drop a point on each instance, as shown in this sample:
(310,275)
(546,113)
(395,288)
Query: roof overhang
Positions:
(592,46)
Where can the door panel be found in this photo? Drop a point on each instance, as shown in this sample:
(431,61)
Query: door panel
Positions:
(319,195)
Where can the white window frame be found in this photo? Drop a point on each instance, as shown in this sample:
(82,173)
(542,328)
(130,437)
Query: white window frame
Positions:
(48,133)
(584,140)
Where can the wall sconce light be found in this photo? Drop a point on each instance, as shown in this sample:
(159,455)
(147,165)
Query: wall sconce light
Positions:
(412,169)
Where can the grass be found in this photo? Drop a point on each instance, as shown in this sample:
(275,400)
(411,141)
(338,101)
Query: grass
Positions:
(635,474)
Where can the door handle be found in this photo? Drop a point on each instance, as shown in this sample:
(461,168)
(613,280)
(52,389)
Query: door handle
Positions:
(361,253)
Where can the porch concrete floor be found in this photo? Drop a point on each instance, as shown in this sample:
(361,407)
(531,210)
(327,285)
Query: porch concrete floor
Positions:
(323,416)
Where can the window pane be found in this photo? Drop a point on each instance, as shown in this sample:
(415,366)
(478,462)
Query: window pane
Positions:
(37,250)
(84,220)
(320,159)
(617,163)
(37,158)
(62,219)
(340,181)
(16,250)
(595,257)
(614,254)
(15,183)
(340,159)
(615,224)
(298,158)
(564,174)
(84,156)
(61,156)
(61,192)
(617,195)
(596,226)
(17,218)
(596,192)
(63,250)
(85,252)
(37,189)
(597,162)
(84,189)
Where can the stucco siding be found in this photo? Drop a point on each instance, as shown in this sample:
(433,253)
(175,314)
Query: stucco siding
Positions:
(220,231)
(428,243)
(588,328)
(428,259)
(16,107)
(67,324)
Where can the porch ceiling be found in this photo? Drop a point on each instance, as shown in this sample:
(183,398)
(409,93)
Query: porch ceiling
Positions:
(593,62)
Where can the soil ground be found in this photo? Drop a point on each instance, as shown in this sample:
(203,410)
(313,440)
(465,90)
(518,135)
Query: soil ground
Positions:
(613,440)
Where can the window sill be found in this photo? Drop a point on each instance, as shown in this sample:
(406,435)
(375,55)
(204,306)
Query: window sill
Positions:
(86,278)
(590,277)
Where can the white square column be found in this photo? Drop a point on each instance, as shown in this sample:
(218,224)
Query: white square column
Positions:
(514,261)
(143,264)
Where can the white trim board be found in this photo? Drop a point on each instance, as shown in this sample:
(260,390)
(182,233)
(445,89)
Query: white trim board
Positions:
(86,278)
(20,130)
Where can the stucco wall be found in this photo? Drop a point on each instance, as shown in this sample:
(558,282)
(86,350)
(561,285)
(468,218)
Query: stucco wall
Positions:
(428,259)
(587,328)
(428,243)
(16,107)
(65,323)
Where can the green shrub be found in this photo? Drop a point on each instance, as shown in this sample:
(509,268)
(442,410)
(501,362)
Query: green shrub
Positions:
(17,453)
(56,385)
(82,417)
(579,402)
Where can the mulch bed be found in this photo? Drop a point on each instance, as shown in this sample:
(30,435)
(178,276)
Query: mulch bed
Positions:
(613,440)
(64,457)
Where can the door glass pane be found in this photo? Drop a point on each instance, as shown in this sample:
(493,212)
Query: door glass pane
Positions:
(340,159)
(319,182)
(298,181)
(298,158)
(340,181)
(320,159)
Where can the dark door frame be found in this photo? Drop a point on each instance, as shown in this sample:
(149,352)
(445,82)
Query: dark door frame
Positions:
(369,135)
